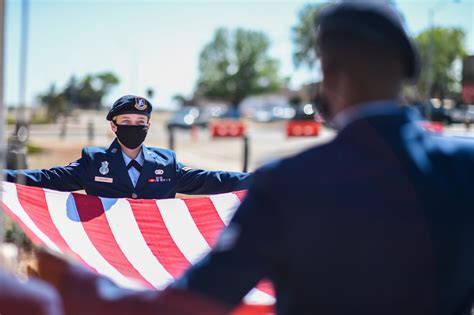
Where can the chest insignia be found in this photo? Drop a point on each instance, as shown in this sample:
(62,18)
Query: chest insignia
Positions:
(104,169)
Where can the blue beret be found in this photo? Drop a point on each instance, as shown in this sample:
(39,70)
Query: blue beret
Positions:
(130,104)
(372,20)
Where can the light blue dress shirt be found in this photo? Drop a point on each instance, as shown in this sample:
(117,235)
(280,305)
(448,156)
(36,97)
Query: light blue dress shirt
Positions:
(132,172)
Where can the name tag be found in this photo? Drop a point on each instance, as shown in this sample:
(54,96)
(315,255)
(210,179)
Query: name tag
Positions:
(104,179)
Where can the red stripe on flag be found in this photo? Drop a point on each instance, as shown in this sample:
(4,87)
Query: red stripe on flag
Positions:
(35,239)
(246,309)
(92,215)
(241,194)
(207,219)
(157,236)
(210,225)
(33,200)
(266,286)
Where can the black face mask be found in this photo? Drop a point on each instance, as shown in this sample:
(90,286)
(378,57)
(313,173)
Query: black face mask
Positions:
(131,136)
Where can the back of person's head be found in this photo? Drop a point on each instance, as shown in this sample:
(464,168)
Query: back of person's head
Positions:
(367,44)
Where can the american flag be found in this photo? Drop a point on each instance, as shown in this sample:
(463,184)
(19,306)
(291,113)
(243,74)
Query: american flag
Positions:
(138,244)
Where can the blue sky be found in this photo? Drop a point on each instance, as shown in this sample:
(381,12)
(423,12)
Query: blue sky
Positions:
(157,43)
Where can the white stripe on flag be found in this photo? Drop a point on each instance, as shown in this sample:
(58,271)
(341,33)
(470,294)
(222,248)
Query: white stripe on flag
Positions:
(255,296)
(225,204)
(76,237)
(10,198)
(183,229)
(128,236)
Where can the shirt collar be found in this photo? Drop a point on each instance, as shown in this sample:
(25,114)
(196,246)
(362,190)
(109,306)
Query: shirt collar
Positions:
(363,110)
(139,157)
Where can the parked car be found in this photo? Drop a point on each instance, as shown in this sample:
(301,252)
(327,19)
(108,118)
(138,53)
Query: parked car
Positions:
(273,113)
(216,111)
(434,111)
(457,115)
(188,117)
(462,115)
(306,112)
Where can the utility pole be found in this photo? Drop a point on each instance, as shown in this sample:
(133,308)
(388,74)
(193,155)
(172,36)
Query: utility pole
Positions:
(16,153)
(2,110)
(23,60)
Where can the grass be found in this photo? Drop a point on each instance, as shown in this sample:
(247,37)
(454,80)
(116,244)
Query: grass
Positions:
(33,149)
(35,120)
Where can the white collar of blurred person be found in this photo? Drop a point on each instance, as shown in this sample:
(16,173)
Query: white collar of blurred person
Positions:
(363,110)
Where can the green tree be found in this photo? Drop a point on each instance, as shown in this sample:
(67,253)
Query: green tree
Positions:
(86,93)
(304,35)
(447,46)
(55,103)
(93,88)
(236,64)
(182,100)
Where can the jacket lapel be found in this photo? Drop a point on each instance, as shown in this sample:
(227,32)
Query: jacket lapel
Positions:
(148,168)
(118,164)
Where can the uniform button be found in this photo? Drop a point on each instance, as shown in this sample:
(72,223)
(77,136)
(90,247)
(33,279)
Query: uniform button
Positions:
(114,150)
(134,196)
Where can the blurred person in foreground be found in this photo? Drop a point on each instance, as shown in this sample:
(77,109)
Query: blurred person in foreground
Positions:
(378,221)
(128,168)
(33,297)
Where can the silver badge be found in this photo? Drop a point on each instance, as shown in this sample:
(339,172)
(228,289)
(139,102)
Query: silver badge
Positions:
(159,172)
(104,169)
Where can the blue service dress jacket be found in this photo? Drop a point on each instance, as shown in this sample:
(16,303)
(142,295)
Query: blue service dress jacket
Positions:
(102,172)
(378,221)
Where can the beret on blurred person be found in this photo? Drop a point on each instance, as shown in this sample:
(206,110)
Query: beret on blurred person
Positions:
(130,104)
(374,21)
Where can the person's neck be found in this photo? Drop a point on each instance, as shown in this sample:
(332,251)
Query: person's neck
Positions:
(351,98)
(131,153)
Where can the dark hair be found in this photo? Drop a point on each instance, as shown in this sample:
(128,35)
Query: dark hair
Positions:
(373,31)
(350,51)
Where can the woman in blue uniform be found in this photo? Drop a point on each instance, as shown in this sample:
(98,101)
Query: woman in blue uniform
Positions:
(128,168)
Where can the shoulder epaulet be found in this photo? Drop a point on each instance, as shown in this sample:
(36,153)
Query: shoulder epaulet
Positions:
(93,150)
(162,152)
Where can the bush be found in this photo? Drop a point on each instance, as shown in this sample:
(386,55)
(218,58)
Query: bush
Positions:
(15,235)
(11,120)
(40,120)
(32,149)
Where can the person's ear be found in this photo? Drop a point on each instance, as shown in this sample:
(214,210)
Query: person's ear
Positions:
(113,127)
(328,69)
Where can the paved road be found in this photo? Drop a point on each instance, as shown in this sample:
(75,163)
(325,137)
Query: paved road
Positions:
(267,142)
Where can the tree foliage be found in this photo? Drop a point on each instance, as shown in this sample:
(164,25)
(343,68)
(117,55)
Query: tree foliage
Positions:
(304,35)
(447,46)
(236,64)
(86,93)
(183,100)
